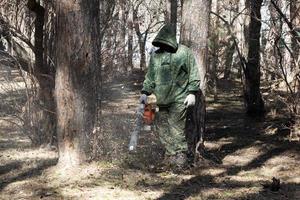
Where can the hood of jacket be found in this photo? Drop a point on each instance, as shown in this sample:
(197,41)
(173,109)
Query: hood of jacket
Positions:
(166,37)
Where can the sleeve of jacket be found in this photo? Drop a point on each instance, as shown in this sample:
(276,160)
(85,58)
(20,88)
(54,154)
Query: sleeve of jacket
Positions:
(194,76)
(149,84)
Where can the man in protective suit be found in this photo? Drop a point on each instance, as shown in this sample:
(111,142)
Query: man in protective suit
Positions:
(173,78)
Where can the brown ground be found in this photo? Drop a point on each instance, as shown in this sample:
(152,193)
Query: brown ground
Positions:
(252,152)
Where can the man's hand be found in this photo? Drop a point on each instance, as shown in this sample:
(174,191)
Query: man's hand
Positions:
(190,100)
(143,99)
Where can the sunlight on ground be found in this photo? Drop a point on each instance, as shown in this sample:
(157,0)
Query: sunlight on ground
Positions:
(30,173)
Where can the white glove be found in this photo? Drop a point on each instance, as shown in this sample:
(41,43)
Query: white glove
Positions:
(190,100)
(143,99)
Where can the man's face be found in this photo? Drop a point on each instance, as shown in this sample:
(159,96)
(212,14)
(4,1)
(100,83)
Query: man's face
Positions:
(166,48)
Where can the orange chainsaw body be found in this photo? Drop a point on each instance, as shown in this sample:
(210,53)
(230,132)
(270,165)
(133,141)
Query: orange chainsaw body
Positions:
(149,114)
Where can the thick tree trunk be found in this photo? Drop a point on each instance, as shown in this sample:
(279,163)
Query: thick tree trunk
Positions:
(44,129)
(77,60)
(253,99)
(194,34)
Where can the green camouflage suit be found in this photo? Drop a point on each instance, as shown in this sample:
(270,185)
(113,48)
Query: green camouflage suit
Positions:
(172,75)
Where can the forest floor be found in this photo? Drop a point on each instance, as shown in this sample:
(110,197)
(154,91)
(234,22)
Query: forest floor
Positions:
(252,153)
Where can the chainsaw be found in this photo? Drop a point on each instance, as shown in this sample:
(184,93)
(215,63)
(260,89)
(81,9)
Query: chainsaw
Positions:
(145,115)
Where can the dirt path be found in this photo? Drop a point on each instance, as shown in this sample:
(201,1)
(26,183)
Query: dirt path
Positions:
(252,152)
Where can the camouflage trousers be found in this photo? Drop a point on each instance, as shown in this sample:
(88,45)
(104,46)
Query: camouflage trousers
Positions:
(170,124)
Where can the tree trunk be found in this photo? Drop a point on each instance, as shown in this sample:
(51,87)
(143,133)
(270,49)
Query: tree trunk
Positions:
(130,40)
(171,13)
(124,15)
(214,38)
(253,99)
(44,129)
(295,20)
(228,59)
(194,34)
(77,60)
(142,45)
(141,39)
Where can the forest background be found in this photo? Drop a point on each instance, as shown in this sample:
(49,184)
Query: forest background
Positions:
(70,79)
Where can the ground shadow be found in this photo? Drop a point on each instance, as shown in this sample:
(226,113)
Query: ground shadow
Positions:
(28,173)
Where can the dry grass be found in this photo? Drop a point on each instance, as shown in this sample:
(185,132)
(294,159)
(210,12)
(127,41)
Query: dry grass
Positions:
(251,153)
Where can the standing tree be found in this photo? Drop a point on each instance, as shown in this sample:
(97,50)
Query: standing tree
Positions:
(46,106)
(171,13)
(253,99)
(295,20)
(194,34)
(77,60)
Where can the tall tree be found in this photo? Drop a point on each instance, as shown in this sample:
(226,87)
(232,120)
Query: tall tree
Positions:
(77,59)
(295,20)
(141,37)
(171,13)
(130,38)
(45,126)
(215,47)
(194,34)
(253,99)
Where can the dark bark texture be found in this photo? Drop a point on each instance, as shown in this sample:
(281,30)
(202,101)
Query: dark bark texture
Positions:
(194,34)
(253,99)
(44,111)
(171,13)
(77,60)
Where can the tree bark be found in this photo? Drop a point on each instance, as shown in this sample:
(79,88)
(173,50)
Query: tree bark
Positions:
(141,39)
(229,52)
(171,13)
(44,127)
(124,16)
(253,99)
(77,60)
(194,34)
(214,61)
(295,20)
(130,39)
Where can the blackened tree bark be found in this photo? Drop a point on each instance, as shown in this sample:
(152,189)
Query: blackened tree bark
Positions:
(253,99)
(171,13)
(194,34)
(46,122)
(77,60)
